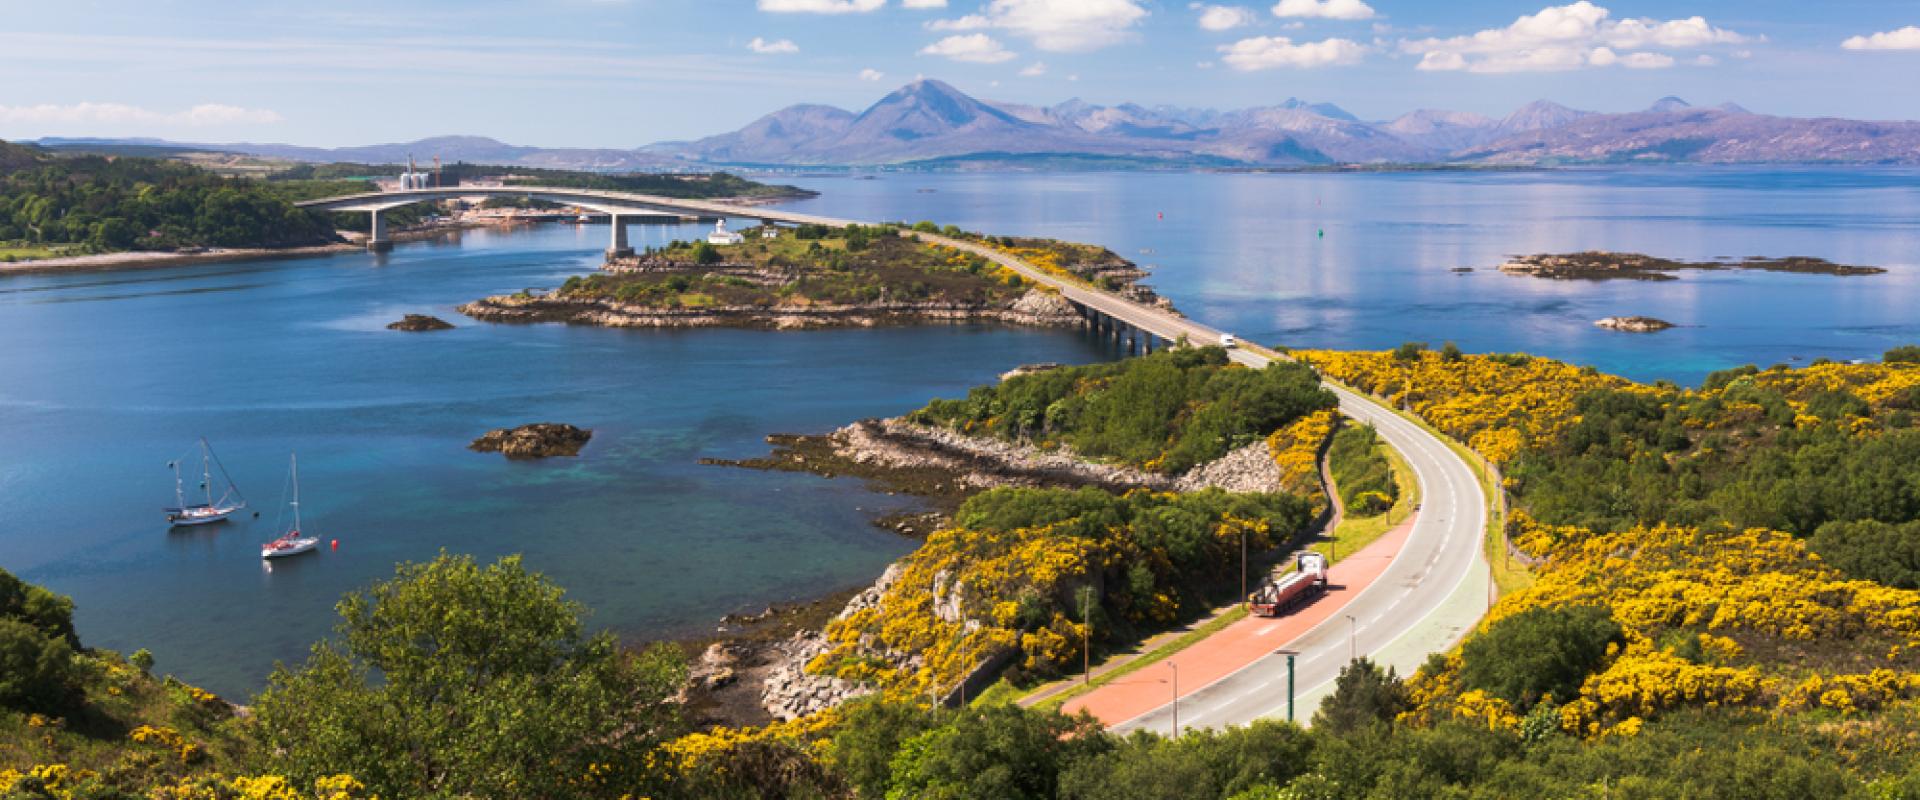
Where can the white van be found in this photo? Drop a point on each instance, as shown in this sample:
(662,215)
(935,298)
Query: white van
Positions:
(1227,340)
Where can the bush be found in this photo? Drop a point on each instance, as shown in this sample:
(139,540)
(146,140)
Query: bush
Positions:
(1873,550)
(1539,652)
(33,605)
(37,672)
(1409,351)
(1361,473)
(1000,752)
(1904,354)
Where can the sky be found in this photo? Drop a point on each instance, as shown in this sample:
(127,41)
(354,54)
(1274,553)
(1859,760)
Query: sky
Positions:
(624,73)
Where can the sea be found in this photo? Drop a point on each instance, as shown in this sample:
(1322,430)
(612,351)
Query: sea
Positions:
(107,376)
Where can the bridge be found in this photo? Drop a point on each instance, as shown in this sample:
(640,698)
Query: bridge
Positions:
(1432,592)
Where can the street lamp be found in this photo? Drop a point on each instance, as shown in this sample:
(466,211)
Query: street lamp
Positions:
(1353,638)
(1290,654)
(1243,564)
(1176,698)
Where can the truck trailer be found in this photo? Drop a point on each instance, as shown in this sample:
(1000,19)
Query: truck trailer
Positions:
(1278,595)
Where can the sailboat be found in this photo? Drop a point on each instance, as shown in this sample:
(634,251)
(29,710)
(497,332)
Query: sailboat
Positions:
(291,543)
(214,509)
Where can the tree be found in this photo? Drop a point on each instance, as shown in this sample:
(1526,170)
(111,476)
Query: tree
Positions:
(455,680)
(1539,652)
(1409,351)
(704,253)
(863,747)
(1907,353)
(1874,550)
(33,605)
(1000,752)
(36,669)
(1363,695)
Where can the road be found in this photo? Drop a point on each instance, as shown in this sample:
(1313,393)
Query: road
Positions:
(1429,595)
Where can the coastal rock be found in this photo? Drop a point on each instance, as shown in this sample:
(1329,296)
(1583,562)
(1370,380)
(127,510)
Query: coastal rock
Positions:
(1030,369)
(419,322)
(537,440)
(1633,324)
(982,463)
(1036,307)
(1247,469)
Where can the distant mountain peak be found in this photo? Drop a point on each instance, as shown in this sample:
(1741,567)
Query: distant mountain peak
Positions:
(1540,115)
(1732,108)
(1670,103)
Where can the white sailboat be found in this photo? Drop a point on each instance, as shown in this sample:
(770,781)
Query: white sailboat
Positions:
(291,543)
(214,509)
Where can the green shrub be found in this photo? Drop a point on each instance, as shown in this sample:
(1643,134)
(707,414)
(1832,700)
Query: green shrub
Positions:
(37,672)
(1873,550)
(1539,652)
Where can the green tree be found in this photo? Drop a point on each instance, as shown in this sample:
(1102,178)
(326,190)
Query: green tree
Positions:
(456,680)
(1000,752)
(864,746)
(1906,354)
(37,672)
(1363,695)
(1539,652)
(1409,351)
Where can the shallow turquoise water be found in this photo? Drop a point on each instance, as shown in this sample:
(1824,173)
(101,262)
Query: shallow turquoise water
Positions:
(106,376)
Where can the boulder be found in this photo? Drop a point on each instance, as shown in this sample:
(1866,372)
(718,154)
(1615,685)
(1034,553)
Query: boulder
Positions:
(538,440)
(419,322)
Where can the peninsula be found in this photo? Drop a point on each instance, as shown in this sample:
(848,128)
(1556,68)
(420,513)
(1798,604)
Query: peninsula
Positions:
(1599,265)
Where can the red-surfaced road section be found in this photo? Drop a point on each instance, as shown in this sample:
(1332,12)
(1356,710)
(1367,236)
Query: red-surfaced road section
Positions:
(1241,643)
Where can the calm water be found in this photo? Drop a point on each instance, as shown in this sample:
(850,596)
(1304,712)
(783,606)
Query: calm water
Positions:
(1246,252)
(106,376)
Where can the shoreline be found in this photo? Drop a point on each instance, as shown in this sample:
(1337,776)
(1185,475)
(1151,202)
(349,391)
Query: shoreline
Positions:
(135,259)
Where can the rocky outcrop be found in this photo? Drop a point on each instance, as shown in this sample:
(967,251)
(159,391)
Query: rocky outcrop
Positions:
(983,463)
(538,440)
(1030,369)
(1248,469)
(1036,308)
(1633,324)
(419,322)
(790,691)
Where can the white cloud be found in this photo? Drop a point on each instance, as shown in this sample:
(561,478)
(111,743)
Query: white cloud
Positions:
(923,3)
(977,48)
(1705,60)
(871,74)
(1569,37)
(1035,69)
(117,114)
(970,22)
(1066,26)
(1324,9)
(1907,38)
(1273,52)
(1223,18)
(820,6)
(775,47)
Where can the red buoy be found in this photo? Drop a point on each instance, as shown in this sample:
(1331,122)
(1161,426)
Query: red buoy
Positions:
(336,544)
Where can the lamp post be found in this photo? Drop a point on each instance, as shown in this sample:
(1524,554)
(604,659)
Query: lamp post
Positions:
(1086,642)
(1243,564)
(1176,698)
(1353,638)
(1290,654)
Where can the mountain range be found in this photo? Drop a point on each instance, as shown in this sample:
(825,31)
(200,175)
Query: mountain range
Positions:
(929,123)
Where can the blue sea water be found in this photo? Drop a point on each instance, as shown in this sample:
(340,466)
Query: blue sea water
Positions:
(105,376)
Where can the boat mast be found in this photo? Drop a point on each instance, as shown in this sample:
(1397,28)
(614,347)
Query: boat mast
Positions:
(206,470)
(179,490)
(296,492)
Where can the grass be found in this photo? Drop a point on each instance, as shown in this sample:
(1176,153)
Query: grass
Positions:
(1355,533)
(31,252)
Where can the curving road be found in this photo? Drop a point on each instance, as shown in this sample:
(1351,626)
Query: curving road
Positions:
(1430,594)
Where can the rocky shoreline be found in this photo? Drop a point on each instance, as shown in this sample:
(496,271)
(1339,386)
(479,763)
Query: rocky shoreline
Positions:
(944,467)
(1036,308)
(1599,265)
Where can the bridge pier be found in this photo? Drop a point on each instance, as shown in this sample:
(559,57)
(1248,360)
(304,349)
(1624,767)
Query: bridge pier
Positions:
(619,247)
(377,240)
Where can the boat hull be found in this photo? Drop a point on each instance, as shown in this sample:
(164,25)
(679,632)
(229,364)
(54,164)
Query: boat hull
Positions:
(198,515)
(288,547)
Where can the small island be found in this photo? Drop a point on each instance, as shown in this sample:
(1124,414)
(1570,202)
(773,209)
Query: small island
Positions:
(419,322)
(816,276)
(1634,324)
(537,440)
(1600,265)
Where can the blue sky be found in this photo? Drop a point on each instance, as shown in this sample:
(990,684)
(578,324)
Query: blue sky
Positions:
(621,73)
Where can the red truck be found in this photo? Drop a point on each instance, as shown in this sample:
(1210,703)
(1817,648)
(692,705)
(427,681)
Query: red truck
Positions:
(1278,596)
